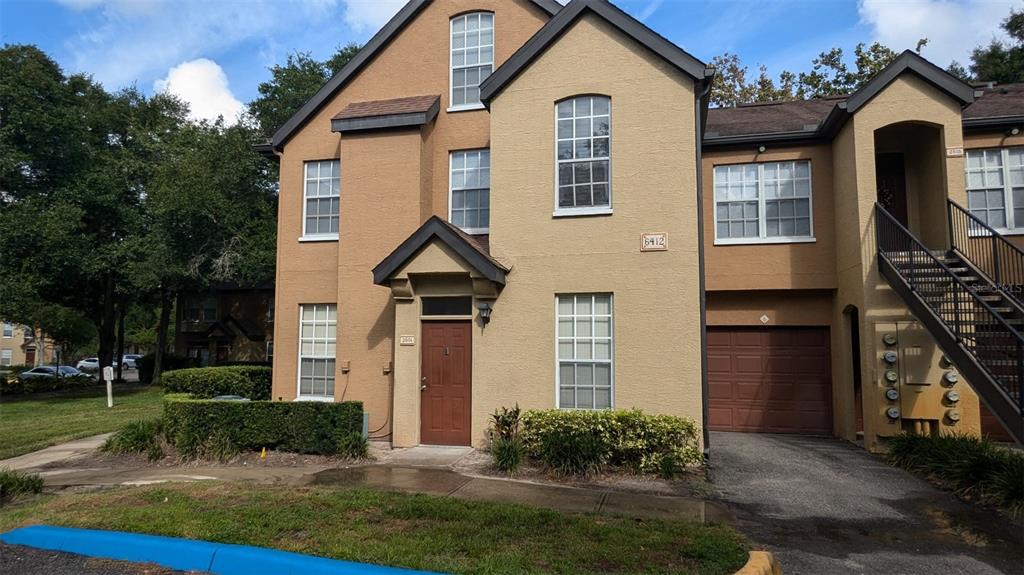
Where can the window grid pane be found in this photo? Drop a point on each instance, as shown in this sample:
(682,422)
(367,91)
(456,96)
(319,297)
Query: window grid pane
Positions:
(317,332)
(472,56)
(583,144)
(995,187)
(470,190)
(323,198)
(584,351)
(768,200)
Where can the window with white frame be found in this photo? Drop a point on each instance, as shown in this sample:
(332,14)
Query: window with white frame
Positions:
(585,362)
(583,143)
(995,187)
(8,329)
(5,356)
(472,57)
(323,199)
(767,202)
(318,326)
(471,190)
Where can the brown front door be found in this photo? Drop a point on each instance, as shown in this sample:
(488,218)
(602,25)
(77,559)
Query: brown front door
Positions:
(891,182)
(447,375)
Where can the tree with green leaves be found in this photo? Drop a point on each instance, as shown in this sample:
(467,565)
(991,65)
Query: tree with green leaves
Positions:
(1000,62)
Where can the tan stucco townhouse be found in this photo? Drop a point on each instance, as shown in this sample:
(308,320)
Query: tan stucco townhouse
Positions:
(505,202)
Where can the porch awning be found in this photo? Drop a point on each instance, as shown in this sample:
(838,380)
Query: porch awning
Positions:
(463,244)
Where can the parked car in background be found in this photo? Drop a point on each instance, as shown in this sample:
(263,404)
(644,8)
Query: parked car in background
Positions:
(89,364)
(93,363)
(51,371)
(130,359)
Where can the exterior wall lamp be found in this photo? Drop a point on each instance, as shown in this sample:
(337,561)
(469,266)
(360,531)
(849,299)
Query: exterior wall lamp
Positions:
(484,307)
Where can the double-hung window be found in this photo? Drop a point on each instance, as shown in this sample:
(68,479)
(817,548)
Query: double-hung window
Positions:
(8,330)
(472,57)
(995,187)
(763,203)
(585,356)
(317,332)
(5,356)
(323,200)
(583,151)
(471,191)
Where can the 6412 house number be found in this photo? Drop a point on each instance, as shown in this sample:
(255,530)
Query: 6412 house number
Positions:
(653,242)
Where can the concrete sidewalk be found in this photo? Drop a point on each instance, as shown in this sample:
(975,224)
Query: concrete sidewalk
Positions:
(56,453)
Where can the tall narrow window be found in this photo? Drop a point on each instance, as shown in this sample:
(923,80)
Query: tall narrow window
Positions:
(323,199)
(5,356)
(585,351)
(317,350)
(8,329)
(583,146)
(472,57)
(995,187)
(471,190)
(769,202)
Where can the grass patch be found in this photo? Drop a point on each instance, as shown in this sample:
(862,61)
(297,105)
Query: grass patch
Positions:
(138,437)
(31,423)
(970,466)
(414,531)
(14,483)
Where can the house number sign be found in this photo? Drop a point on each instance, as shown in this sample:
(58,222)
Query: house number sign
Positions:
(654,242)
(407,340)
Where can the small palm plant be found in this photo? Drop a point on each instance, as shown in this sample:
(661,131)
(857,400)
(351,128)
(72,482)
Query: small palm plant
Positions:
(506,445)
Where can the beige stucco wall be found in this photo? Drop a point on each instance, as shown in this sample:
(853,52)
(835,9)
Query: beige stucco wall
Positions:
(773,266)
(390,183)
(782,308)
(656,295)
(907,99)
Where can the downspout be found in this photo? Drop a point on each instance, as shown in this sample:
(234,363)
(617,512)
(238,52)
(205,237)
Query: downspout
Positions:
(700,111)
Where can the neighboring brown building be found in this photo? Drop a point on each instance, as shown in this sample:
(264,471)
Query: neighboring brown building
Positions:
(20,345)
(227,323)
(501,202)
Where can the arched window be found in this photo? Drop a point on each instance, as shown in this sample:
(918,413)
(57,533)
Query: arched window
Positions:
(583,152)
(472,57)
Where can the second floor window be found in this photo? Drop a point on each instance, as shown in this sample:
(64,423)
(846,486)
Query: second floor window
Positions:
(472,57)
(995,187)
(583,152)
(8,329)
(323,199)
(201,309)
(471,190)
(769,202)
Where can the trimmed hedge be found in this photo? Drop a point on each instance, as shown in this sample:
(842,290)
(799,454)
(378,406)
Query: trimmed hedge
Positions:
(11,385)
(147,362)
(300,426)
(252,382)
(575,442)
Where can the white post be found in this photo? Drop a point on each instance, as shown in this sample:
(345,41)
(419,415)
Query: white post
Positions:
(108,374)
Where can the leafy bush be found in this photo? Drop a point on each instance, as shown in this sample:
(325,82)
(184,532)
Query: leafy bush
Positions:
(218,446)
(11,385)
(14,483)
(147,363)
(968,465)
(580,442)
(139,437)
(352,444)
(303,426)
(506,445)
(252,382)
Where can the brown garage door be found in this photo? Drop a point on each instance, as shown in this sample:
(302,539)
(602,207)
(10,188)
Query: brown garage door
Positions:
(774,380)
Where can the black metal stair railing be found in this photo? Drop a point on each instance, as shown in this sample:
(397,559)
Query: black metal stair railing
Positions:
(987,249)
(965,326)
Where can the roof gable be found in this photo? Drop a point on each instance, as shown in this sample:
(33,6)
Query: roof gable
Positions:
(557,26)
(379,41)
(909,62)
(461,243)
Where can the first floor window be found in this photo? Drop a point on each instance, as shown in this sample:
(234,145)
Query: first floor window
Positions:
(585,361)
(317,349)
(270,351)
(5,356)
(323,198)
(768,201)
(8,329)
(995,187)
(583,152)
(471,191)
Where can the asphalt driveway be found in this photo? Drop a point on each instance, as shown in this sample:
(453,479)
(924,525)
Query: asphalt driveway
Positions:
(826,506)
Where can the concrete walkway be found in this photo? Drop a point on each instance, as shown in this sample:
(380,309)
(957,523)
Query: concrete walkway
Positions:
(56,453)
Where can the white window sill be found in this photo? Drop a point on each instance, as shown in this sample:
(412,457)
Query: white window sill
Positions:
(321,398)
(571,212)
(476,231)
(762,241)
(983,233)
(320,238)
(465,108)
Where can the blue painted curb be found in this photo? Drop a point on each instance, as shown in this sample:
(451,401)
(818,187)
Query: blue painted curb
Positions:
(187,554)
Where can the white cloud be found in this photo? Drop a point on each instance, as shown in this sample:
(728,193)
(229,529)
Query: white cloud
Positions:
(204,86)
(363,15)
(953,27)
(649,10)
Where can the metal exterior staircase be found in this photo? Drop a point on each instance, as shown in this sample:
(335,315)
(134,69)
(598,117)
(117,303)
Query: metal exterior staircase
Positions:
(976,322)
(987,250)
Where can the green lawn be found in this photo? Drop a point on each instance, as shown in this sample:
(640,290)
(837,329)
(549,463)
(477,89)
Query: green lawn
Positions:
(415,531)
(30,423)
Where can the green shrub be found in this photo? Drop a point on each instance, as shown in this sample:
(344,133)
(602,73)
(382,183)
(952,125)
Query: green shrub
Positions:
(252,382)
(580,442)
(301,426)
(507,452)
(11,385)
(137,437)
(965,464)
(14,483)
(147,363)
(352,444)
(219,446)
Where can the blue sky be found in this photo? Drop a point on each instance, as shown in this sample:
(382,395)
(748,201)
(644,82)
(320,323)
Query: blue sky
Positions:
(213,53)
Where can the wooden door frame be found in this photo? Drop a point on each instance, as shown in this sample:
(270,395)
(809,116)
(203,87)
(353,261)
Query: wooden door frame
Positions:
(468,322)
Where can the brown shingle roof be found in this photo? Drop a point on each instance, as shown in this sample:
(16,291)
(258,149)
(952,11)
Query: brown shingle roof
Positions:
(375,108)
(998,101)
(770,118)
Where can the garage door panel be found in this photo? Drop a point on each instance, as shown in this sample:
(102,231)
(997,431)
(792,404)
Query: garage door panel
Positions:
(773,380)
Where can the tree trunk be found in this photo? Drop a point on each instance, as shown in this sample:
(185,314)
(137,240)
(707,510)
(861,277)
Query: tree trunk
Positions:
(161,333)
(120,339)
(107,324)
